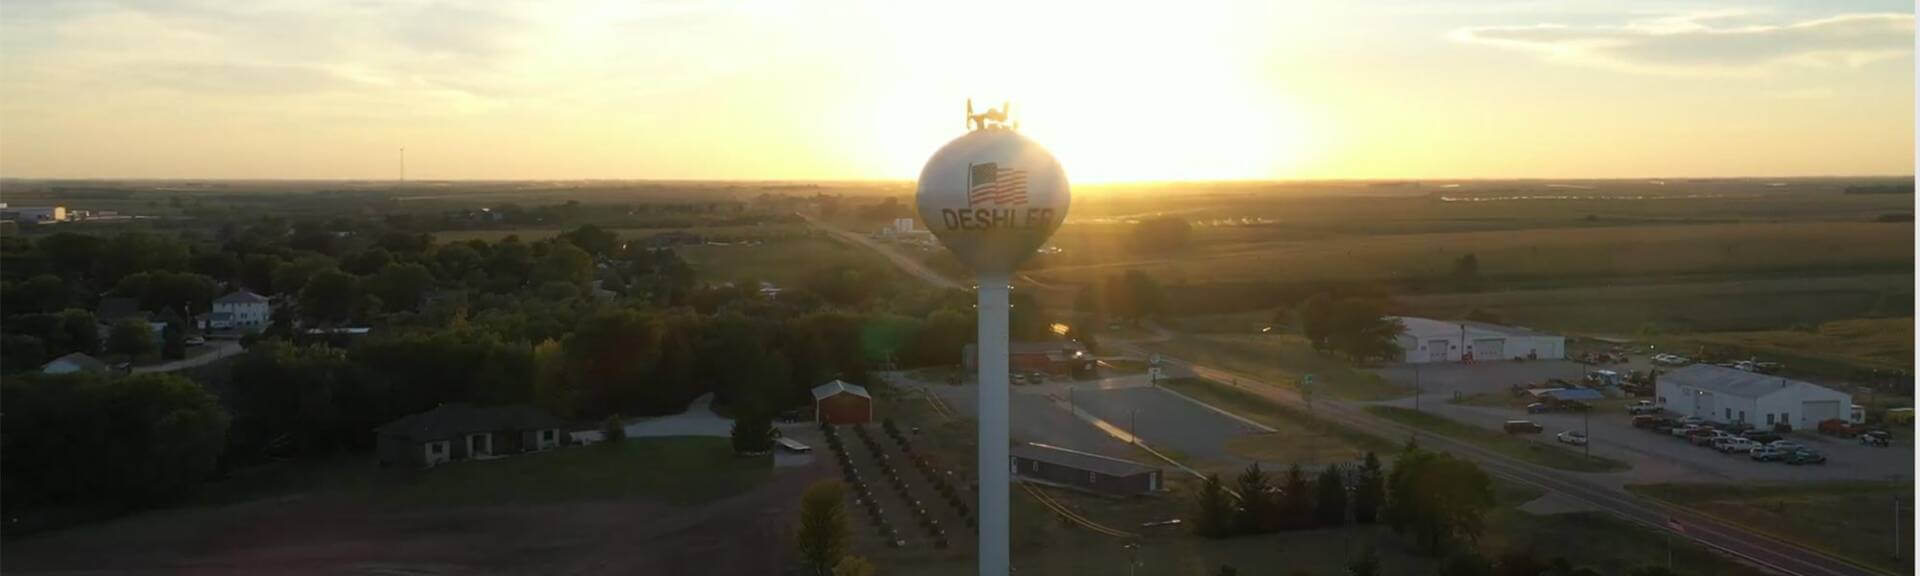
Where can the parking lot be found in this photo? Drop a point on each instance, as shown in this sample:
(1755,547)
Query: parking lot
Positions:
(1655,457)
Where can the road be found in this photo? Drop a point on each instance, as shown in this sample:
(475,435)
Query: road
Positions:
(218,349)
(1755,548)
(905,262)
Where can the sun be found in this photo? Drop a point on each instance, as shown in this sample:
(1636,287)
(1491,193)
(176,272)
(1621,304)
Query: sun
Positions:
(1122,94)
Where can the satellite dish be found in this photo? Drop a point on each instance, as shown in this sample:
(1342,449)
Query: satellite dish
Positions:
(993,196)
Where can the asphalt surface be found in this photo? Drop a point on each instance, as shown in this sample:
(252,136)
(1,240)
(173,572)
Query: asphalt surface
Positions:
(1758,549)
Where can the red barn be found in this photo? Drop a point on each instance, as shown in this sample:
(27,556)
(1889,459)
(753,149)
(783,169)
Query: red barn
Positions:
(838,402)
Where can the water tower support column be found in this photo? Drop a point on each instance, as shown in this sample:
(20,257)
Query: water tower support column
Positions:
(994,465)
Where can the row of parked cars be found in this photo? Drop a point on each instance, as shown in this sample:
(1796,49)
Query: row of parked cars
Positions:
(1759,445)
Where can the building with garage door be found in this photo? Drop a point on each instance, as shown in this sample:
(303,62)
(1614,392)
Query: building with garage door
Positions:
(1086,471)
(838,402)
(1730,396)
(1425,340)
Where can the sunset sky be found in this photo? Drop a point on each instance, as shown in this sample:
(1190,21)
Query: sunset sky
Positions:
(840,89)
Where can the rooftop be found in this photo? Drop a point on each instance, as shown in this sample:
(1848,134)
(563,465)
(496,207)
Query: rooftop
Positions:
(838,386)
(241,297)
(1081,460)
(79,360)
(1424,328)
(1731,382)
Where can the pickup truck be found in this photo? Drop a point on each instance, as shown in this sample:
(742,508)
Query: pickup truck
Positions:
(1643,407)
(1523,427)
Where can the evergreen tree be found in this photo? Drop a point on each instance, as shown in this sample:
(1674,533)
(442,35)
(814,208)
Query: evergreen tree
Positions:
(1255,514)
(1330,502)
(824,536)
(1296,500)
(1369,490)
(1214,514)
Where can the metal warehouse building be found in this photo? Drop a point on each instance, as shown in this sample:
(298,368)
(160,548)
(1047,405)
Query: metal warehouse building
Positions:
(1091,472)
(1426,340)
(1727,395)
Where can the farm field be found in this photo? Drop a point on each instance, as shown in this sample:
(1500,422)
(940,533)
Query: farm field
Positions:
(1852,520)
(1876,343)
(1681,306)
(783,262)
(722,233)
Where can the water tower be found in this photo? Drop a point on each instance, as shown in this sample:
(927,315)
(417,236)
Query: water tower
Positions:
(993,197)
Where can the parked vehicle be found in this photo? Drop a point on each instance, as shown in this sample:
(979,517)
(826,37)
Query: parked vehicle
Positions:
(1760,437)
(1695,420)
(1643,407)
(1645,421)
(1733,444)
(1876,438)
(1523,427)
(195,341)
(1704,436)
(1764,454)
(1681,431)
(1664,425)
(1574,437)
(1665,359)
(1785,446)
(1803,456)
(1538,408)
(1838,427)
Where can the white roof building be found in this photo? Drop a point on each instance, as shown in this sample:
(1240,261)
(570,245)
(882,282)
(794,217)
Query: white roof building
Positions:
(1427,340)
(1727,395)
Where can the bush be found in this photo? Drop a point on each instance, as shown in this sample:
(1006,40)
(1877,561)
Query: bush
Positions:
(752,435)
(613,429)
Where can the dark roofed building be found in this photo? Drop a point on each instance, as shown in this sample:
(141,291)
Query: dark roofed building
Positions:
(453,432)
(74,362)
(1084,470)
(1054,357)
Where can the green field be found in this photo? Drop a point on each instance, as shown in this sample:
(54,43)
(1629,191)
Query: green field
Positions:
(782,262)
(1542,453)
(1851,520)
(1281,359)
(720,233)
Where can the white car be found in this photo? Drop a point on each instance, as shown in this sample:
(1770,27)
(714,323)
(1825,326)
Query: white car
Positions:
(1784,446)
(1734,444)
(1574,437)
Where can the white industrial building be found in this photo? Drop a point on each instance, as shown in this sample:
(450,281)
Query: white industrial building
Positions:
(1728,395)
(34,213)
(1426,340)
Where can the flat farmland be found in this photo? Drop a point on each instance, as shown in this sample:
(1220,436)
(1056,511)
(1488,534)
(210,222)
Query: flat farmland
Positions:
(722,233)
(1552,257)
(1682,306)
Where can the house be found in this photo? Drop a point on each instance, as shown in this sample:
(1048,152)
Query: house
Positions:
(242,310)
(75,362)
(1727,395)
(454,432)
(1424,340)
(838,402)
(1083,470)
(1054,357)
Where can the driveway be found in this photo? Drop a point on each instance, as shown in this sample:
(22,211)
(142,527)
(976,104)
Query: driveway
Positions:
(698,420)
(215,350)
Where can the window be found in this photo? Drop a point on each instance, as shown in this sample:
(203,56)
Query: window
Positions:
(1729,415)
(1092,477)
(1769,419)
(436,448)
(1743,415)
(1663,399)
(546,435)
(1033,465)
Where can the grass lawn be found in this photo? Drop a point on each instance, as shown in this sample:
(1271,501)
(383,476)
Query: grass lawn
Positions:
(1541,453)
(1594,539)
(1299,433)
(1282,359)
(1853,520)
(688,470)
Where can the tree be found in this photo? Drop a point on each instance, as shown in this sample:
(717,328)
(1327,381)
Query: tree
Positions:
(823,536)
(1316,320)
(131,338)
(1466,563)
(301,400)
(1330,502)
(1438,498)
(401,286)
(1296,499)
(1215,510)
(752,434)
(329,296)
(154,437)
(1366,564)
(1256,511)
(1652,571)
(1466,271)
(613,430)
(1369,490)
(1518,562)
(564,262)
(173,341)
(1362,330)
(592,239)
(851,565)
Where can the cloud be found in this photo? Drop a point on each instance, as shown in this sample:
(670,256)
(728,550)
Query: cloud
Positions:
(1708,43)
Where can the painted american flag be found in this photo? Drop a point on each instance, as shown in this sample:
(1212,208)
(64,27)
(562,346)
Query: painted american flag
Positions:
(989,184)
